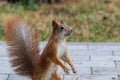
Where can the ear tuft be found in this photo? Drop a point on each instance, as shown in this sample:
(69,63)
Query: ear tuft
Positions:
(62,22)
(54,23)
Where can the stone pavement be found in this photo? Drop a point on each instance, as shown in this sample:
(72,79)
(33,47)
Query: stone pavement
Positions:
(93,61)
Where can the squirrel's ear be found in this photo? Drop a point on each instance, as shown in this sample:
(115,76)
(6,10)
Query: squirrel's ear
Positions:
(62,22)
(54,23)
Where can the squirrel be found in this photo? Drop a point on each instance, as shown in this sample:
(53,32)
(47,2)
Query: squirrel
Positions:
(27,59)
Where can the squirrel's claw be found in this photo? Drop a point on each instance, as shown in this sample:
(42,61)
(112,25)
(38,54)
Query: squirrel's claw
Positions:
(74,70)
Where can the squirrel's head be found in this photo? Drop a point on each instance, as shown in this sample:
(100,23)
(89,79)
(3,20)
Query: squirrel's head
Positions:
(61,30)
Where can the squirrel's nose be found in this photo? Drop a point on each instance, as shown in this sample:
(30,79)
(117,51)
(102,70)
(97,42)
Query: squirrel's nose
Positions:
(70,30)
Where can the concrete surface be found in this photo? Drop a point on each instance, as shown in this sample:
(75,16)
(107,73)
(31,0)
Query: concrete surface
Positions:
(93,61)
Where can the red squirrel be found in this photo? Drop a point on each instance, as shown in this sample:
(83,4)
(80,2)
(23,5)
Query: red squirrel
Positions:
(24,52)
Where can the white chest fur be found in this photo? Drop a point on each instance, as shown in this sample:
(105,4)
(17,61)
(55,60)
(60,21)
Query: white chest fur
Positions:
(61,48)
(51,70)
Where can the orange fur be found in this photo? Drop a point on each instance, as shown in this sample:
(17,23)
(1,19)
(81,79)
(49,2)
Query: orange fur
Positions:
(45,66)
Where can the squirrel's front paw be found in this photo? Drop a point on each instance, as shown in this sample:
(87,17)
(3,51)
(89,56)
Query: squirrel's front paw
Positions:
(74,70)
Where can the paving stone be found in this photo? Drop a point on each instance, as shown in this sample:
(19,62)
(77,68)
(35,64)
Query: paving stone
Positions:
(77,47)
(79,58)
(89,53)
(105,58)
(3,53)
(89,77)
(6,68)
(102,77)
(76,77)
(100,53)
(108,64)
(105,47)
(4,58)
(77,43)
(105,43)
(17,77)
(105,71)
(2,42)
(3,50)
(102,64)
(3,46)
(116,53)
(77,52)
(3,77)
(118,64)
(80,70)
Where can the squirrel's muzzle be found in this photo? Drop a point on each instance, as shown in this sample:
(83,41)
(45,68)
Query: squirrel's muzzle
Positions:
(69,32)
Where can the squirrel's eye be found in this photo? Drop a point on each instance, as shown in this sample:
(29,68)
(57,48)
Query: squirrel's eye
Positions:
(61,28)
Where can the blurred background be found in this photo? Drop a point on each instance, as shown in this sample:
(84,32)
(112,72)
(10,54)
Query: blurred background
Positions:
(91,20)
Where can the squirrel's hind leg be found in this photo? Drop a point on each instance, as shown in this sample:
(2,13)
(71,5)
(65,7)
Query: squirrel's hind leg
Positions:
(56,76)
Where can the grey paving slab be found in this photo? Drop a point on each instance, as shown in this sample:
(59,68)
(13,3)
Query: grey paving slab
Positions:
(103,77)
(3,53)
(110,64)
(93,61)
(105,71)
(4,58)
(89,77)
(6,68)
(118,64)
(79,58)
(3,47)
(2,42)
(80,70)
(116,53)
(100,53)
(17,77)
(105,43)
(76,77)
(77,47)
(78,52)
(89,53)
(105,58)
(3,77)
(104,47)
(77,43)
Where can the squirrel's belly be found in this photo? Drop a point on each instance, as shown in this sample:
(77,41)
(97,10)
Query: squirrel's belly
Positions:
(50,71)
(61,49)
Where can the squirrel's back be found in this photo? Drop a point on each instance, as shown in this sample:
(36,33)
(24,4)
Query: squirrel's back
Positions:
(23,44)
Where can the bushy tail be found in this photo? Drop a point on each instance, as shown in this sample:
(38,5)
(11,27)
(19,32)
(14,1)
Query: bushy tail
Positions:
(23,45)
